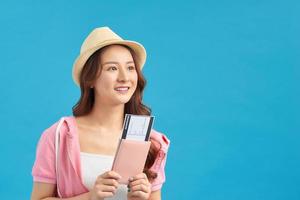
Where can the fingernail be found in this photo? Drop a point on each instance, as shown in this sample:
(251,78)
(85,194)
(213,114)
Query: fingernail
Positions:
(130,179)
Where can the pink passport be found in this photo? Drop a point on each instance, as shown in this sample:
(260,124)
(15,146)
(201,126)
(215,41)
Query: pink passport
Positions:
(130,158)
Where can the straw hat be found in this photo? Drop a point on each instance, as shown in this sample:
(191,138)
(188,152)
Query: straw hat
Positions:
(99,38)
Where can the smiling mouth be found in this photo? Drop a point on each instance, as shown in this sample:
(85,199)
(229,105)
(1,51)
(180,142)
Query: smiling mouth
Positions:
(122,89)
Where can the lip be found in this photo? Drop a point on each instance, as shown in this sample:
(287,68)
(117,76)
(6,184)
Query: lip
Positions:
(122,87)
(119,89)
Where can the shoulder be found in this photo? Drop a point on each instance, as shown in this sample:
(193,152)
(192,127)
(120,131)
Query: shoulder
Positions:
(48,134)
(65,124)
(44,165)
(161,138)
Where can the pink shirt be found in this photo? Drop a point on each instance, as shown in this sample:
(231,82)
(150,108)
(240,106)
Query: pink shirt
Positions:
(69,167)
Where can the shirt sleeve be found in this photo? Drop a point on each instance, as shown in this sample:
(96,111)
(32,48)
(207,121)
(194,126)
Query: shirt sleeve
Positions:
(159,165)
(44,166)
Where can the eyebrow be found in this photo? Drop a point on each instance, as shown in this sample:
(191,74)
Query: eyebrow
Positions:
(112,62)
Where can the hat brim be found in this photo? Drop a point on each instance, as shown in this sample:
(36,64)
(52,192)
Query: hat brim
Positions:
(138,49)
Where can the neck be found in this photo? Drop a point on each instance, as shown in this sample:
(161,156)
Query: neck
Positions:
(107,116)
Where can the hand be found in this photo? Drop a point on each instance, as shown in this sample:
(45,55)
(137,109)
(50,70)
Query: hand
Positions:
(105,185)
(139,187)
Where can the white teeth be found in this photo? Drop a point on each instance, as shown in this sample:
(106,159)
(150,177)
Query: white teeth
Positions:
(122,89)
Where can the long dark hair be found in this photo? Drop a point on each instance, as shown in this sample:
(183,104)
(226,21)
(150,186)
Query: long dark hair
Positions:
(90,72)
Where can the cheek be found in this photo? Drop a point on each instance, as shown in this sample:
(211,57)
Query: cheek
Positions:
(105,82)
(135,79)
(134,83)
(104,86)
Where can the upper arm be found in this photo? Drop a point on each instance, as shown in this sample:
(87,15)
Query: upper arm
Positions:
(42,190)
(43,170)
(160,162)
(156,195)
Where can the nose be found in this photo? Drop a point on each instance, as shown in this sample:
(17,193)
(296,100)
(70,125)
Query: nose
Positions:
(123,75)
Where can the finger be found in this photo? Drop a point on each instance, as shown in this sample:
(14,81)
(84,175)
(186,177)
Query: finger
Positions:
(107,188)
(143,188)
(132,198)
(111,182)
(138,182)
(105,194)
(139,194)
(111,174)
(138,176)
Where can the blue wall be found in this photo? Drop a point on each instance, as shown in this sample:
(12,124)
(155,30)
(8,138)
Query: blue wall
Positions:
(223,83)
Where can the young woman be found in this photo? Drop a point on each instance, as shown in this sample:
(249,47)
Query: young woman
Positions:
(108,71)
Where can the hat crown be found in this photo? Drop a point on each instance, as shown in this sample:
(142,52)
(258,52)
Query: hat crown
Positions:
(98,36)
(102,37)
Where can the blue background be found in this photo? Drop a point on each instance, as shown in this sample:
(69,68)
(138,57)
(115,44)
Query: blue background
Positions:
(223,83)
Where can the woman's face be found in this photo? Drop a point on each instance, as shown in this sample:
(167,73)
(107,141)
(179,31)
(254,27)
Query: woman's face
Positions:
(118,79)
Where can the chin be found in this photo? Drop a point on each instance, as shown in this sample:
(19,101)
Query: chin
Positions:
(123,100)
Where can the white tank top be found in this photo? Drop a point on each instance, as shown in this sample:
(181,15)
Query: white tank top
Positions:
(93,165)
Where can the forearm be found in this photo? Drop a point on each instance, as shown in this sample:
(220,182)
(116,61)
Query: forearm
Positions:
(84,196)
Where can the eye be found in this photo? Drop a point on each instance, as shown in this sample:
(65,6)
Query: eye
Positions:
(112,68)
(131,67)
